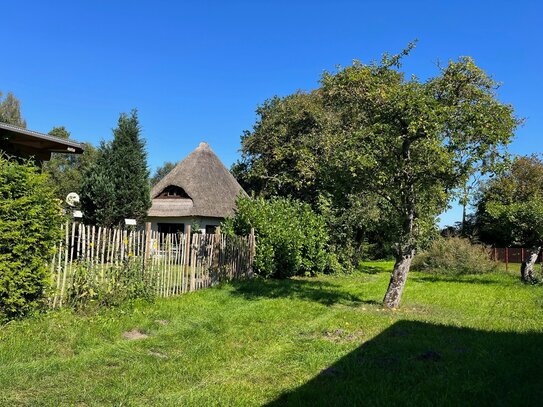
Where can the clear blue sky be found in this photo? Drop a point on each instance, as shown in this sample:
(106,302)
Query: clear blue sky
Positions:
(197,70)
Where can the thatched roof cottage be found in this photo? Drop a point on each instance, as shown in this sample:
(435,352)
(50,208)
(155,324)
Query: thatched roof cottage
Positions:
(199,191)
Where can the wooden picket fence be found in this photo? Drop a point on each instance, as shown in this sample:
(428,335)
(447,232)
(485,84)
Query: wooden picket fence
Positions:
(177,263)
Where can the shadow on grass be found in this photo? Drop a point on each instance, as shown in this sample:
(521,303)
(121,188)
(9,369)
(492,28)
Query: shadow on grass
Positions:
(375,269)
(313,290)
(415,363)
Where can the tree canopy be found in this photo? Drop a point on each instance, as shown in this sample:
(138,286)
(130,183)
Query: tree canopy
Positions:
(117,184)
(401,145)
(510,209)
(10,110)
(161,171)
(66,171)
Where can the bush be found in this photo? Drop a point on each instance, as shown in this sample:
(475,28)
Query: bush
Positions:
(291,238)
(30,219)
(454,256)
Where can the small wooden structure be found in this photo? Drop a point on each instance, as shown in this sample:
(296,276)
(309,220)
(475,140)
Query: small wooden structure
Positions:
(25,143)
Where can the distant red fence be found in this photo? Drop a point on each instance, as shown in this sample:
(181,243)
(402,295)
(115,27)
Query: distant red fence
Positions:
(510,254)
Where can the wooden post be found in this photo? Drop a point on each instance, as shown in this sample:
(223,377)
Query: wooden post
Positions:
(147,253)
(192,258)
(186,259)
(252,255)
(216,251)
(506,259)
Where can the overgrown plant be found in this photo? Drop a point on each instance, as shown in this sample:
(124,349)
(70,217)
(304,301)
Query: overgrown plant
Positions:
(30,219)
(291,238)
(454,256)
(93,287)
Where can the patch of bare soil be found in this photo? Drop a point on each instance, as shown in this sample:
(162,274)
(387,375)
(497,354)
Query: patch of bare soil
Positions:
(134,334)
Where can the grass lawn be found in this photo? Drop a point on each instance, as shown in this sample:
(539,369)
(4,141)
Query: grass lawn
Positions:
(322,341)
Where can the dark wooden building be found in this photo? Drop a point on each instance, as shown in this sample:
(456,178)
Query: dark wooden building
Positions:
(25,143)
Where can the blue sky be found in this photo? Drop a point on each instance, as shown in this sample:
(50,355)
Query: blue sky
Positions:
(197,70)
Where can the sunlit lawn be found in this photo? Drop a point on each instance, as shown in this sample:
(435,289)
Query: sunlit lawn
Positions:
(323,341)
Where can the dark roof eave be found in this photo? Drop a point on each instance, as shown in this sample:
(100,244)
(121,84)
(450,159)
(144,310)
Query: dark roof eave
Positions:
(68,145)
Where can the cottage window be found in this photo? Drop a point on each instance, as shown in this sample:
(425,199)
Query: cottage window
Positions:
(211,229)
(173,192)
(171,227)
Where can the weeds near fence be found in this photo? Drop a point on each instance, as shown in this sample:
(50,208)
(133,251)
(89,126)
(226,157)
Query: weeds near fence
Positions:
(92,285)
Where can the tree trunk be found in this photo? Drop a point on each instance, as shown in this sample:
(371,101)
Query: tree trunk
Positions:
(527,268)
(464,204)
(406,247)
(398,279)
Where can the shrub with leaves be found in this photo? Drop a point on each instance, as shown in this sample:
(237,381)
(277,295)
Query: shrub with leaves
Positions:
(93,287)
(291,238)
(30,219)
(454,256)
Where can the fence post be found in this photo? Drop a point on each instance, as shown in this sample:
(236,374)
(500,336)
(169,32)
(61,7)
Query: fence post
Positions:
(506,259)
(252,254)
(147,251)
(189,270)
(216,250)
(193,254)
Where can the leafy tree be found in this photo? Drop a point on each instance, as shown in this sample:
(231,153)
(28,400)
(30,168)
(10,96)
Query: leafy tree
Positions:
(510,210)
(66,171)
(117,184)
(161,171)
(288,152)
(30,219)
(10,110)
(407,143)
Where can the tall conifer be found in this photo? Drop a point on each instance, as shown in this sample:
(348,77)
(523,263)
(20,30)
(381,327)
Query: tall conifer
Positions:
(117,186)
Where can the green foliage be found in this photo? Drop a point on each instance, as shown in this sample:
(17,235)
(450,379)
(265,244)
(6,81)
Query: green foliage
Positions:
(92,287)
(399,146)
(30,219)
(291,238)
(454,256)
(67,171)
(117,185)
(510,207)
(161,171)
(404,145)
(10,110)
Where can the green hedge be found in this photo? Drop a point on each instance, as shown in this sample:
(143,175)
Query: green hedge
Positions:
(30,219)
(291,238)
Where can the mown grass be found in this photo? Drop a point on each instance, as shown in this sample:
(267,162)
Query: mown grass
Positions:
(320,341)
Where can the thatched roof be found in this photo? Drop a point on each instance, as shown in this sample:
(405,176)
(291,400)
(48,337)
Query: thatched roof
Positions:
(211,187)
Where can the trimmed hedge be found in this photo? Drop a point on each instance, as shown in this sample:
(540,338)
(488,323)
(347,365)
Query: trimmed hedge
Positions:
(30,219)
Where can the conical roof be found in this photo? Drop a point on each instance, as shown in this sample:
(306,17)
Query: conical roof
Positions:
(212,189)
